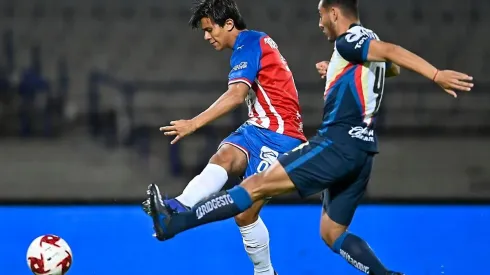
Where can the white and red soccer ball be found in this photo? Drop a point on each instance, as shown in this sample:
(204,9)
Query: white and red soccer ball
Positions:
(49,255)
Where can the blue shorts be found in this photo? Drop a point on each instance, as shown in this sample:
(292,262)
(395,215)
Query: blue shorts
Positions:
(261,146)
(341,171)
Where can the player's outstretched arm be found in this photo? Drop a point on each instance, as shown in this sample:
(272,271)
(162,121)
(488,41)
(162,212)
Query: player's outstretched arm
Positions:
(393,70)
(322,66)
(447,79)
(233,97)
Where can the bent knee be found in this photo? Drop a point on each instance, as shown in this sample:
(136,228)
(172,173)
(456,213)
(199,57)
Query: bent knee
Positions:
(222,159)
(251,215)
(246,218)
(232,159)
(330,231)
(330,236)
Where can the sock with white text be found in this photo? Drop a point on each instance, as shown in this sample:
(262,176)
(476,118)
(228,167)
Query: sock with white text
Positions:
(256,242)
(219,206)
(358,253)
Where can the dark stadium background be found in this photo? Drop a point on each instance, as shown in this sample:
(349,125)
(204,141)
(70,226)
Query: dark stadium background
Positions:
(84,86)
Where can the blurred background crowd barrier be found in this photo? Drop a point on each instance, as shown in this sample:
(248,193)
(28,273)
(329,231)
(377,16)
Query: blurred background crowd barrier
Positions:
(85,85)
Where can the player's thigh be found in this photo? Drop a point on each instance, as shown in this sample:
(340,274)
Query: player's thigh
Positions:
(316,165)
(341,200)
(232,154)
(250,215)
(256,164)
(265,147)
(272,182)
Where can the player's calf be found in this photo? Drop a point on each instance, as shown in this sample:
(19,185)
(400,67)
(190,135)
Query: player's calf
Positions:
(249,216)
(351,247)
(256,239)
(330,231)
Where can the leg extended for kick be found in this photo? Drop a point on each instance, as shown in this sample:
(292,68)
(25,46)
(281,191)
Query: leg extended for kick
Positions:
(222,205)
(230,160)
(278,180)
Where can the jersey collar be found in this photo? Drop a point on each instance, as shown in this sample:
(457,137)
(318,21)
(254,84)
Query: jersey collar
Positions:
(354,25)
(350,27)
(239,39)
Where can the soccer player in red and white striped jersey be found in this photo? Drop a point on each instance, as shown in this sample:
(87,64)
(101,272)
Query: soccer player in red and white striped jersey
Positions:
(260,76)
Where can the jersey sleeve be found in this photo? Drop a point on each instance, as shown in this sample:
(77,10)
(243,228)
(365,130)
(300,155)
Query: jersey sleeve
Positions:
(353,47)
(244,65)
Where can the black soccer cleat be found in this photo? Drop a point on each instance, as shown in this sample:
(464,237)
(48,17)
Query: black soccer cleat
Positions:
(159,211)
(146,206)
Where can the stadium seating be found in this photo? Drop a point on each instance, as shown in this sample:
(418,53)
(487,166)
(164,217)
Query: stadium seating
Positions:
(149,41)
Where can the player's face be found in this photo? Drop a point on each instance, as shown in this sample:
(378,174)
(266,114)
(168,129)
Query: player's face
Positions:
(216,35)
(326,24)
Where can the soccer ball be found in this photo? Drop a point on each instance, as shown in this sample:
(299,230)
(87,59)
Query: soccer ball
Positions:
(49,255)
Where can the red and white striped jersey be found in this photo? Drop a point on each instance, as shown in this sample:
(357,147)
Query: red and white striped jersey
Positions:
(273,99)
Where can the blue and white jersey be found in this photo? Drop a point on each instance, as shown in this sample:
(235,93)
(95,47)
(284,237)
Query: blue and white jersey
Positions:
(353,90)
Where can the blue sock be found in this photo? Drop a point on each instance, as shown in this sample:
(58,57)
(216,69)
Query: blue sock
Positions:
(219,206)
(358,253)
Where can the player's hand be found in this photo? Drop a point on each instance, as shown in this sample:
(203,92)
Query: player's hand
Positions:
(179,129)
(322,67)
(452,80)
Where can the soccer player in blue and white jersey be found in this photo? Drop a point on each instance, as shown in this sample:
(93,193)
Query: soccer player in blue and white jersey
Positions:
(336,161)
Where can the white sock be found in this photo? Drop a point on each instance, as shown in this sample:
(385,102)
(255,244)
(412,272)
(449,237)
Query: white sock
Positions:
(211,180)
(256,241)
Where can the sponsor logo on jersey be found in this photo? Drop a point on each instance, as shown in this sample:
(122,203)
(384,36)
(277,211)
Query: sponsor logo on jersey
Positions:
(359,44)
(270,42)
(362,133)
(241,66)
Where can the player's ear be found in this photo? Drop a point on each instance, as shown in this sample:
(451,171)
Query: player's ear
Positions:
(334,14)
(229,25)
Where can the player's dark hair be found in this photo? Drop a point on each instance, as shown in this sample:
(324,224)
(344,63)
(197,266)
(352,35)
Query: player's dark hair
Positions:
(350,7)
(218,11)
